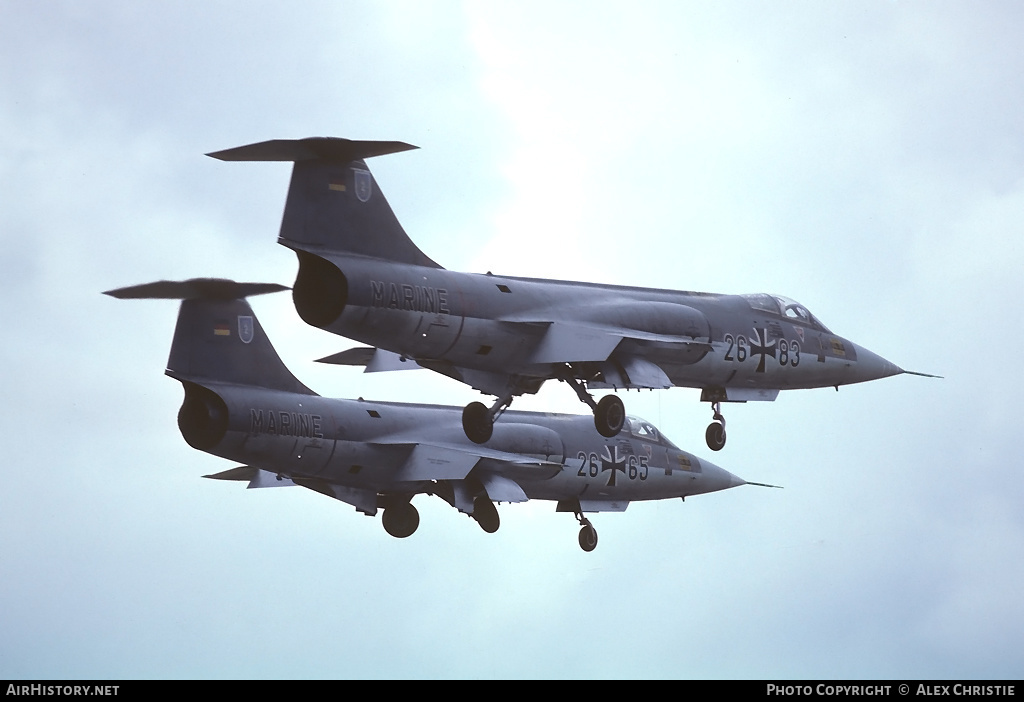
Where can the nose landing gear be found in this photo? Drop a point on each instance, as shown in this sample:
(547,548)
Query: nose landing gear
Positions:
(588,537)
(715,435)
(588,534)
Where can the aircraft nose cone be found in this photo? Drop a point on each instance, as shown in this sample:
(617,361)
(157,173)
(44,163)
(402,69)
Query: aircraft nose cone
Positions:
(871,366)
(716,478)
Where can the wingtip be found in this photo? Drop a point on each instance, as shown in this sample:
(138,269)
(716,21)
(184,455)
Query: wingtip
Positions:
(239,473)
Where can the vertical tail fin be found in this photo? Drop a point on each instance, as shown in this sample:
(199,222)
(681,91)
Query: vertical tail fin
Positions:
(334,203)
(218,338)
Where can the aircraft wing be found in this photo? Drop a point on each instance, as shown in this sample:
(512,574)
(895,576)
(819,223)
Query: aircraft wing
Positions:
(562,342)
(559,342)
(566,342)
(426,462)
(604,505)
(453,463)
(364,501)
(571,342)
(375,360)
(257,477)
(444,461)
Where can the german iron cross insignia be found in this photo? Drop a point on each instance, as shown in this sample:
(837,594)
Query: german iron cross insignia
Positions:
(762,349)
(610,460)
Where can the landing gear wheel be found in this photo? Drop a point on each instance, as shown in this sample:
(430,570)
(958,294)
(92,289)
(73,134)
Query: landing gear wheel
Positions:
(715,436)
(400,520)
(476,423)
(609,416)
(588,537)
(486,514)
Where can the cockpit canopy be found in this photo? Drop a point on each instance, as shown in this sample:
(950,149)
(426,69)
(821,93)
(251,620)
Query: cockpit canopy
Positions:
(785,307)
(642,429)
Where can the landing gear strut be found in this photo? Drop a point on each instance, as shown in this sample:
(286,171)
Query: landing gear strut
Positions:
(609,413)
(715,435)
(588,534)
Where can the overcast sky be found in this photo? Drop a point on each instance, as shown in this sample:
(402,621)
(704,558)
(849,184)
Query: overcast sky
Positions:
(863,158)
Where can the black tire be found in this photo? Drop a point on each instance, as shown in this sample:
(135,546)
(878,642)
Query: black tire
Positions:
(588,538)
(486,514)
(715,436)
(476,423)
(400,520)
(610,416)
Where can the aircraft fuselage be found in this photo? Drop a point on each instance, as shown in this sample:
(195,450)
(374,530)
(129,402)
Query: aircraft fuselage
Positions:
(361,276)
(450,321)
(368,447)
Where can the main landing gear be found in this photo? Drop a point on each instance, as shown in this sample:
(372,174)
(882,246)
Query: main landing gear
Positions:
(400,519)
(715,435)
(478,420)
(609,414)
(486,514)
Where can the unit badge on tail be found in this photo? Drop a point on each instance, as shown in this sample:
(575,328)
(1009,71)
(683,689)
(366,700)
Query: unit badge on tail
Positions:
(245,329)
(364,185)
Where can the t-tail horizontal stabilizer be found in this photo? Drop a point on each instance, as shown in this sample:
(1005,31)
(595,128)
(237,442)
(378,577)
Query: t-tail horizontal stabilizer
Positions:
(312,149)
(196,288)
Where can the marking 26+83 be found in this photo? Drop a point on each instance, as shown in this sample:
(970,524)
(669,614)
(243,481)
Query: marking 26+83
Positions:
(786,352)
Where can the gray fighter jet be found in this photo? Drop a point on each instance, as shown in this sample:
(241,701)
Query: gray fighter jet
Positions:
(243,404)
(361,276)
